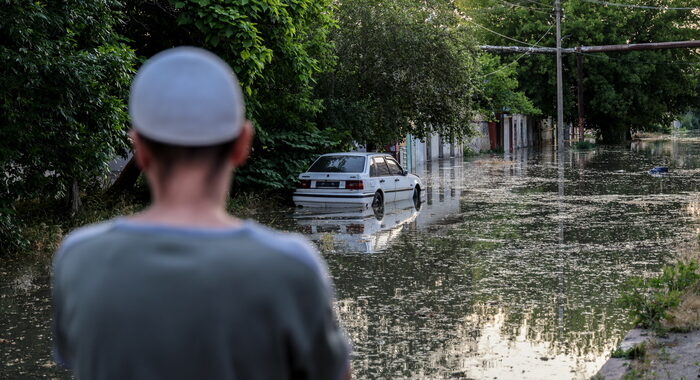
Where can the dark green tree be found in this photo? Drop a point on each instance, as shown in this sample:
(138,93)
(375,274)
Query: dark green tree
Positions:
(500,91)
(624,91)
(276,49)
(64,73)
(404,66)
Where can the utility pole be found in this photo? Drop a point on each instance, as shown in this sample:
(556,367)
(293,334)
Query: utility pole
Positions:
(579,97)
(580,51)
(560,85)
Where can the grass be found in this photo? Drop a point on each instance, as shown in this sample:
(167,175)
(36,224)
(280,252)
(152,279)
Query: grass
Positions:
(686,316)
(668,301)
(635,352)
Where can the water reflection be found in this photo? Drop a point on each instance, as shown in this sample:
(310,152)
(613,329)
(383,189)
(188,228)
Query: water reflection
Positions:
(365,231)
(518,277)
(510,268)
(371,231)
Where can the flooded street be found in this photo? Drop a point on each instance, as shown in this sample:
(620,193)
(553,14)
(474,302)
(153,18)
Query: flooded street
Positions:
(511,267)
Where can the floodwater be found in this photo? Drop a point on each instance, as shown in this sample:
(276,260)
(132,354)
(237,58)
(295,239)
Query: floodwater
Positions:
(510,268)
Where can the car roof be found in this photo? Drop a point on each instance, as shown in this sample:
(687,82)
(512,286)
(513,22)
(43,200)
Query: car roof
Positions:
(363,154)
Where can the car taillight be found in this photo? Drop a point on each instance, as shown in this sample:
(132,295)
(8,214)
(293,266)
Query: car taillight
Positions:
(354,185)
(355,228)
(304,184)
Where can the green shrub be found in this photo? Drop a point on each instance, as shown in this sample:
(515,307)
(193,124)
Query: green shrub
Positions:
(650,299)
(583,145)
(635,352)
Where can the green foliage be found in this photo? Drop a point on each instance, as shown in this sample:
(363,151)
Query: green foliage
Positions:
(276,49)
(650,299)
(623,90)
(690,120)
(500,89)
(635,352)
(64,73)
(661,128)
(468,152)
(404,66)
(583,145)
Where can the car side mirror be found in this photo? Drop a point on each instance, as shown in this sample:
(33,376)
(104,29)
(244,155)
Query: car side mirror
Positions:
(404,172)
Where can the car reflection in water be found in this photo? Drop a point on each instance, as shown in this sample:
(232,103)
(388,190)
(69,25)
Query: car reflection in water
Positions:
(370,231)
(355,230)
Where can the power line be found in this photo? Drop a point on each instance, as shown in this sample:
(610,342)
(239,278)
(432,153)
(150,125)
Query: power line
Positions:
(537,9)
(522,55)
(640,6)
(504,7)
(642,62)
(504,36)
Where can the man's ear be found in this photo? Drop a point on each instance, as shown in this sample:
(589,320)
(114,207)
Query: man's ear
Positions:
(141,153)
(241,147)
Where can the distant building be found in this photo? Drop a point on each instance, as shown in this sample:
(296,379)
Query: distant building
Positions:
(508,134)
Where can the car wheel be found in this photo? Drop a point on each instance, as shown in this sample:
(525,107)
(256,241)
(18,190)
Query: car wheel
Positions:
(416,197)
(378,201)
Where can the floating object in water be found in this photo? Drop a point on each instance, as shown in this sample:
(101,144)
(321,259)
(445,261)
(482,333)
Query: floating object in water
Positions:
(659,170)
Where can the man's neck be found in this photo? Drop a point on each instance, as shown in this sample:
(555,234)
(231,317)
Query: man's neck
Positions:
(185,201)
(191,214)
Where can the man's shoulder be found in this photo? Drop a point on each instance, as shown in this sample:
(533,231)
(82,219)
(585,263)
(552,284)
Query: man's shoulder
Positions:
(83,235)
(290,245)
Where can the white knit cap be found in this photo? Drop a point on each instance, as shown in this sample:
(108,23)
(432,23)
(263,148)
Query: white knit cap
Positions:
(186,96)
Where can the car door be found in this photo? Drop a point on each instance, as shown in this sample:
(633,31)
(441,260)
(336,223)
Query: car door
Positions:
(403,188)
(386,180)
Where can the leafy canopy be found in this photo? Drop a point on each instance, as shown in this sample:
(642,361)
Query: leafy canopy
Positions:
(64,73)
(623,90)
(276,48)
(404,66)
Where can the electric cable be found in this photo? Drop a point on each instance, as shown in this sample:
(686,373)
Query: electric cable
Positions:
(522,55)
(503,35)
(641,6)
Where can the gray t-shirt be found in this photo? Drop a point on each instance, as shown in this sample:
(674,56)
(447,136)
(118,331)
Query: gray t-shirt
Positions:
(143,301)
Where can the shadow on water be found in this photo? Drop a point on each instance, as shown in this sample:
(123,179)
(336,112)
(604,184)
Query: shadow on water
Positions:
(509,268)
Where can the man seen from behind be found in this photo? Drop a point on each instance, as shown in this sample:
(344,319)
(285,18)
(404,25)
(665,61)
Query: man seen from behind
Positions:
(183,290)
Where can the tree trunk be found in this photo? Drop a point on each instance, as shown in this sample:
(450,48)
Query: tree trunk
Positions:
(74,197)
(127,178)
(615,134)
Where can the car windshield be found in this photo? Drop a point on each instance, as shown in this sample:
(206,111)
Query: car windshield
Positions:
(338,164)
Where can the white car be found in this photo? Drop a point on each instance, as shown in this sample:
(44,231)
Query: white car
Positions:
(355,180)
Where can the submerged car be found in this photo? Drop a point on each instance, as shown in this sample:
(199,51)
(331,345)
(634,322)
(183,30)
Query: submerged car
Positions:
(355,180)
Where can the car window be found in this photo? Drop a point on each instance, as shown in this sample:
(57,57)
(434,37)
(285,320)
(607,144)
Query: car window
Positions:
(380,167)
(338,164)
(394,167)
(374,169)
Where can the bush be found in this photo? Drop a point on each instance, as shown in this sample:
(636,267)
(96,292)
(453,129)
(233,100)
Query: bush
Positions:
(649,300)
(635,352)
(583,145)
(64,74)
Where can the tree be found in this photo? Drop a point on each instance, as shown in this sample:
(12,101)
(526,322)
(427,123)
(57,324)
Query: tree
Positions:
(500,89)
(64,73)
(623,91)
(403,67)
(276,49)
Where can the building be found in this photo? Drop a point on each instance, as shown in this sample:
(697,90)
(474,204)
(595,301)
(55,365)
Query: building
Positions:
(508,134)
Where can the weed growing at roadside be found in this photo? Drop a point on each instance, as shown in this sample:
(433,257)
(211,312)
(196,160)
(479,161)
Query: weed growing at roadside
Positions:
(649,300)
(636,352)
